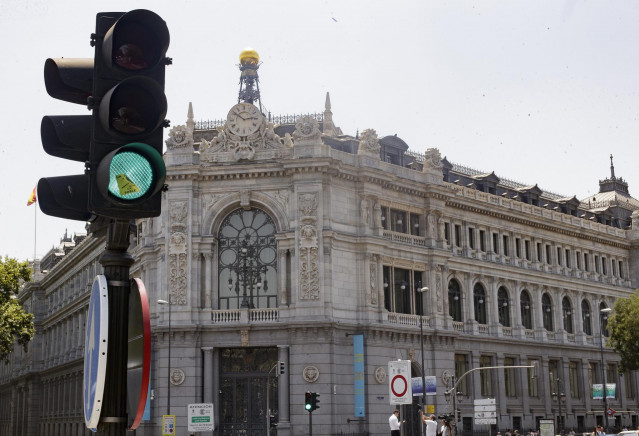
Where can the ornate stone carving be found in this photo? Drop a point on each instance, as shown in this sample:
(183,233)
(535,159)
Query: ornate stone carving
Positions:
(377,215)
(227,146)
(373,279)
(309,263)
(432,159)
(177,377)
(245,198)
(244,338)
(380,374)
(208,200)
(308,204)
(178,253)
(365,212)
(180,137)
(307,131)
(311,374)
(369,144)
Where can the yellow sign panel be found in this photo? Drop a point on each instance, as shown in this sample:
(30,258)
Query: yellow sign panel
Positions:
(125,185)
(168,425)
(430,408)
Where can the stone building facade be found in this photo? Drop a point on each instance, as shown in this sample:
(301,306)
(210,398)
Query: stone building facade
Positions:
(281,239)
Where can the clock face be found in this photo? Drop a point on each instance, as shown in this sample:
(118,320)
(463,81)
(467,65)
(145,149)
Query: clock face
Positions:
(244,119)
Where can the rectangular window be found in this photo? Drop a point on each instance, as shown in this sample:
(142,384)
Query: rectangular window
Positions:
(611,376)
(553,367)
(621,269)
(548,254)
(568,258)
(559,256)
(505,238)
(604,269)
(518,248)
(597,269)
(457,235)
(482,240)
(471,238)
(614,267)
(528,250)
(578,254)
(539,252)
(398,221)
(447,233)
(496,243)
(385,214)
(414,224)
(533,391)
(509,377)
(485,377)
(461,366)
(573,369)
(586,262)
(628,379)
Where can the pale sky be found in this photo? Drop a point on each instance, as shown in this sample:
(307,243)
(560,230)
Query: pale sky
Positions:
(539,91)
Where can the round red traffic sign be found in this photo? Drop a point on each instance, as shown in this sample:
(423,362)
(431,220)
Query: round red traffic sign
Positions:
(403,380)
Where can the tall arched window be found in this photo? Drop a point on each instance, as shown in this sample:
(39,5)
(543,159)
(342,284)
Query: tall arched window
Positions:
(454,300)
(247,265)
(546,307)
(586,317)
(566,312)
(504,306)
(479,301)
(526,310)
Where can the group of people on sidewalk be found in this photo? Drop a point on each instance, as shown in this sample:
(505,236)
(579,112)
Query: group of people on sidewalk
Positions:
(430,421)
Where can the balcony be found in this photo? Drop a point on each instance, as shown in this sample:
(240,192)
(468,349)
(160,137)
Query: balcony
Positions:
(245,316)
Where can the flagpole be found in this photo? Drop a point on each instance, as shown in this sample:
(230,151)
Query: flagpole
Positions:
(35,235)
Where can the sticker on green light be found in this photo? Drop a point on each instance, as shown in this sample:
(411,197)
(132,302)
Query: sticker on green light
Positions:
(130,176)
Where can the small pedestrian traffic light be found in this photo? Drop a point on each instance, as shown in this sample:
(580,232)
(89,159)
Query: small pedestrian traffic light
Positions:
(281,367)
(315,401)
(308,401)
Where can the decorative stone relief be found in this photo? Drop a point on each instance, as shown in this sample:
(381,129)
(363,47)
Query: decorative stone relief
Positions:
(369,144)
(438,289)
(244,338)
(208,200)
(177,377)
(373,280)
(307,131)
(380,374)
(311,374)
(245,199)
(180,137)
(377,215)
(432,159)
(309,247)
(178,253)
(228,147)
(365,212)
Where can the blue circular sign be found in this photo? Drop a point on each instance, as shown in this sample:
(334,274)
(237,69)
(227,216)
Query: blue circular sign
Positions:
(95,352)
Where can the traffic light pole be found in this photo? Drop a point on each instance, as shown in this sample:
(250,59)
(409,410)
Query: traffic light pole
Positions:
(310,423)
(116,262)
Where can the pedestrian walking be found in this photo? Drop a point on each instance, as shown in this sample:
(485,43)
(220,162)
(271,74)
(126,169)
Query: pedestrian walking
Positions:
(394,423)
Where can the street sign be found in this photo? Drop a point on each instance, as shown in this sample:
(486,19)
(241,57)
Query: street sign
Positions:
(399,383)
(610,411)
(139,352)
(485,411)
(201,417)
(168,425)
(95,352)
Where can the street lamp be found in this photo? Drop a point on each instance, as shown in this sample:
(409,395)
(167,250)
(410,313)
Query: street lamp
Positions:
(604,315)
(421,335)
(168,398)
(248,271)
(560,396)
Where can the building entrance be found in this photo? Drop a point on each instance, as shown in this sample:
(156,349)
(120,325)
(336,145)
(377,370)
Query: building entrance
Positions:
(245,374)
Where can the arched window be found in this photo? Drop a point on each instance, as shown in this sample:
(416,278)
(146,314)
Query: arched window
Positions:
(479,301)
(566,312)
(526,310)
(454,300)
(546,307)
(586,317)
(247,265)
(504,306)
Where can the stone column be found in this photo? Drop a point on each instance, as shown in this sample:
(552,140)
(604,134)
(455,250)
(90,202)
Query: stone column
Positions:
(208,377)
(282,274)
(208,280)
(283,393)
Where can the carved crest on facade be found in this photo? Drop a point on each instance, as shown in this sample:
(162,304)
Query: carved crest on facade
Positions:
(432,159)
(307,131)
(179,137)
(368,143)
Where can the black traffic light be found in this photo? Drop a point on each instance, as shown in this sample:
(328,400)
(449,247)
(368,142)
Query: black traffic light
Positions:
(281,368)
(308,401)
(272,420)
(315,401)
(68,137)
(127,172)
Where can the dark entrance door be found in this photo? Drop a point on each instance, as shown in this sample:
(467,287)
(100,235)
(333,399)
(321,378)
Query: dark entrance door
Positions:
(244,375)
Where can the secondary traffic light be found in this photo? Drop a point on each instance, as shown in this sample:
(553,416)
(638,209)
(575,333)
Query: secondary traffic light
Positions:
(127,171)
(315,401)
(281,368)
(68,137)
(308,401)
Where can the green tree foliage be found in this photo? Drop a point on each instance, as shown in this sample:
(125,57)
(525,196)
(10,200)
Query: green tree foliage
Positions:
(623,326)
(15,324)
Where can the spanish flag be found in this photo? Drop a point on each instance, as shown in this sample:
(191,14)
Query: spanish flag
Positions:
(32,197)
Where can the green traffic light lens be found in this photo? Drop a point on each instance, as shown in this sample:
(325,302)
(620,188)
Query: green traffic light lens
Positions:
(308,407)
(130,176)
